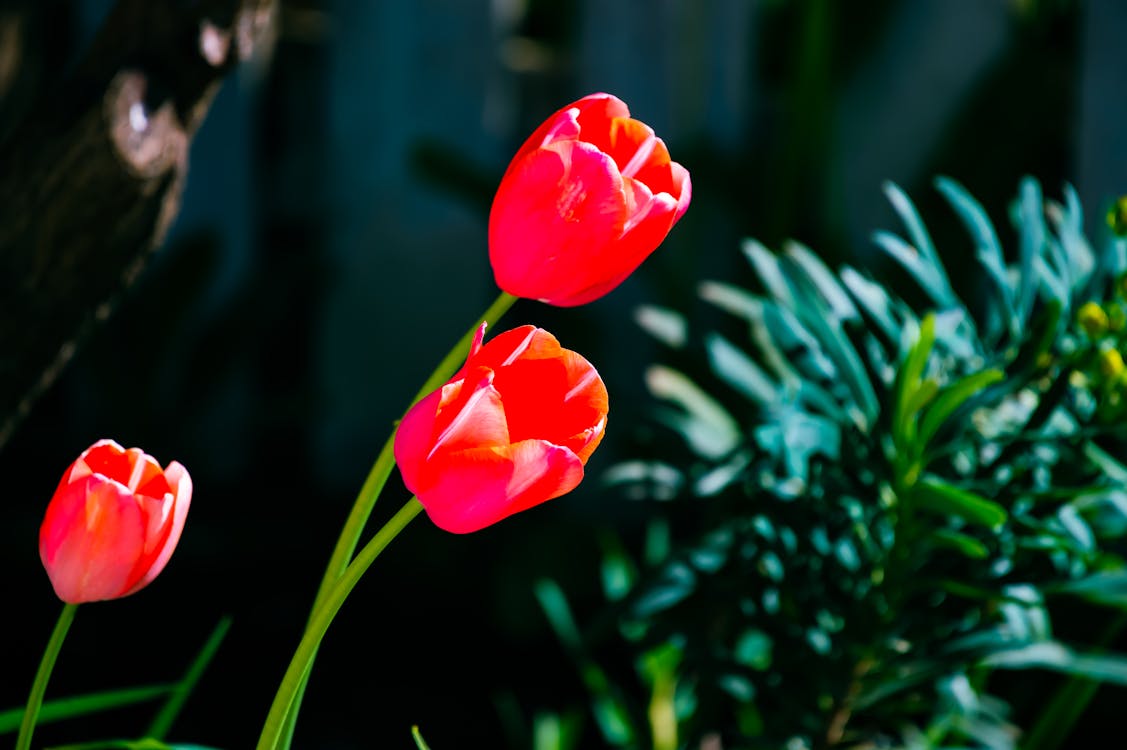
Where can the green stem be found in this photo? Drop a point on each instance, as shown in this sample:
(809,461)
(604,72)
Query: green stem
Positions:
(39,687)
(275,730)
(381,470)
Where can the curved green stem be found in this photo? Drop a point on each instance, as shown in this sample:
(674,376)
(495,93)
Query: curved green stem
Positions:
(377,478)
(39,687)
(275,730)
(381,469)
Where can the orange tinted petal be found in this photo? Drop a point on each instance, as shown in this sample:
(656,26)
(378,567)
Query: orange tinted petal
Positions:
(165,519)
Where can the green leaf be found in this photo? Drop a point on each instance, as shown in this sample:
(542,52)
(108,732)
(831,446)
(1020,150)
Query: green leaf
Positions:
(552,731)
(147,743)
(610,713)
(950,398)
(1058,657)
(841,306)
(667,326)
(988,249)
(162,722)
(907,384)
(1056,721)
(1032,241)
(1105,587)
(923,272)
(706,426)
(732,365)
(66,708)
(771,273)
(920,260)
(618,570)
(962,543)
(875,300)
(937,496)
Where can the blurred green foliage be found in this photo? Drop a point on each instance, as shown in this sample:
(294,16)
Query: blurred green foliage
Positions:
(867,510)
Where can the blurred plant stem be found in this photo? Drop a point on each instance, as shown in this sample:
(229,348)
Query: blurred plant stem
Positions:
(276,730)
(374,483)
(39,687)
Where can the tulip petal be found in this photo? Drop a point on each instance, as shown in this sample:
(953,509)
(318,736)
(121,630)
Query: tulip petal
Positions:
(682,189)
(415,436)
(165,525)
(90,540)
(475,419)
(567,123)
(477,488)
(109,459)
(551,218)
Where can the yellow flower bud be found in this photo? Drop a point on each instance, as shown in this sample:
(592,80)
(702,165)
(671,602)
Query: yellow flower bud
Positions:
(1092,319)
(1111,363)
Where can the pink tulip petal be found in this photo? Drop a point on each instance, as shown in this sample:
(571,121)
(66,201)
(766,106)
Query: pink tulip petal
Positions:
(172,516)
(415,437)
(567,122)
(90,540)
(682,190)
(551,217)
(475,420)
(646,232)
(479,487)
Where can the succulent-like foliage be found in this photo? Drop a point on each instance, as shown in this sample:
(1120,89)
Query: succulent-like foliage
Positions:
(872,506)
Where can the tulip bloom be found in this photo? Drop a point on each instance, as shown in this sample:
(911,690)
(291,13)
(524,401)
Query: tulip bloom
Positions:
(113,523)
(511,430)
(585,200)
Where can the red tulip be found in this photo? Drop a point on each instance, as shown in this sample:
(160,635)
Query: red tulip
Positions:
(113,523)
(587,198)
(511,430)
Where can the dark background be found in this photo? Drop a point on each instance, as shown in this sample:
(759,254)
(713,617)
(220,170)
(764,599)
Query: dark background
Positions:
(332,246)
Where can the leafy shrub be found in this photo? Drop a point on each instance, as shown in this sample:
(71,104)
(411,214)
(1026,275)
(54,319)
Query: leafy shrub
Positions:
(870,507)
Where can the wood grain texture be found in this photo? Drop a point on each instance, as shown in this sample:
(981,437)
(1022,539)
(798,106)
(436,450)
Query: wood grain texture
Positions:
(91,178)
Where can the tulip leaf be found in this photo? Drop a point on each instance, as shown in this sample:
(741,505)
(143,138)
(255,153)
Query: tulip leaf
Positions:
(81,705)
(162,722)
